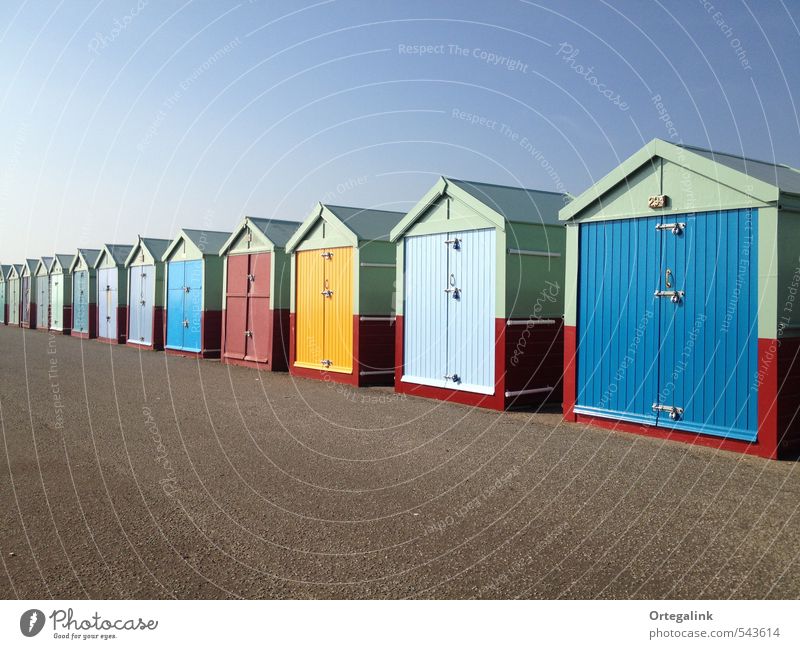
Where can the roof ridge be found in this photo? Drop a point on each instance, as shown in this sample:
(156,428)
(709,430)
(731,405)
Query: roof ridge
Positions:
(692,147)
(524,189)
(361,209)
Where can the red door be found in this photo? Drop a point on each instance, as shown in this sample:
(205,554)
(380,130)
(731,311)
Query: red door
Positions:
(236,306)
(259,325)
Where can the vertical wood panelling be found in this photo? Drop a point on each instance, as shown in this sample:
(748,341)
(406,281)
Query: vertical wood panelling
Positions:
(135,305)
(338,309)
(309,309)
(472,269)
(425,309)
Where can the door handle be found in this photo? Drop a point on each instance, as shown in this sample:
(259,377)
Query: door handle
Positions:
(668,278)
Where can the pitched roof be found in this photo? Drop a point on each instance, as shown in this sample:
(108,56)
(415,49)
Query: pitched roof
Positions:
(277,231)
(209,241)
(16,268)
(516,204)
(30,264)
(763,181)
(5,269)
(784,177)
(367,224)
(44,261)
(64,260)
(117,252)
(89,255)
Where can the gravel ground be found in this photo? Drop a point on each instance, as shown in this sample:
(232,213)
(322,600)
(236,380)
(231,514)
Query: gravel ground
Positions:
(137,475)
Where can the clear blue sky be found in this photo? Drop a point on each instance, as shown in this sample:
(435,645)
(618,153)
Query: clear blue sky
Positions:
(137,116)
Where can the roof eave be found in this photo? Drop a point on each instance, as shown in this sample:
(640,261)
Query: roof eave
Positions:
(430,197)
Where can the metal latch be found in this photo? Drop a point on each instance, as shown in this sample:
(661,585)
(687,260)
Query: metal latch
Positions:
(327,292)
(248,334)
(675,412)
(327,255)
(186,323)
(456,243)
(675,296)
(326,362)
(185,289)
(108,317)
(251,278)
(455,378)
(453,288)
(142,302)
(677,228)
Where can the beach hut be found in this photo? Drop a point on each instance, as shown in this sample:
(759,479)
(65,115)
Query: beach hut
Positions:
(4,271)
(28,288)
(42,275)
(341,318)
(682,274)
(146,293)
(194,293)
(61,294)
(480,303)
(255,322)
(112,293)
(84,293)
(14,294)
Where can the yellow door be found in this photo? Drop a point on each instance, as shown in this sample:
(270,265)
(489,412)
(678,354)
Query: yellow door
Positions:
(309,310)
(338,307)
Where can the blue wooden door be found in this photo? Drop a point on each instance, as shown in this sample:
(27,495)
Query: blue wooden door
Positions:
(175,291)
(618,319)
(107,302)
(708,323)
(470,297)
(43,302)
(425,310)
(193,305)
(80,301)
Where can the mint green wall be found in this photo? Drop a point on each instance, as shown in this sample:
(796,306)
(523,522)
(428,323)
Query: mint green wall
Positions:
(535,283)
(787,285)
(375,266)
(212,283)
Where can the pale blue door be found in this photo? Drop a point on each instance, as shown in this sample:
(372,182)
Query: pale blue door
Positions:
(425,310)
(147,304)
(193,305)
(80,302)
(470,299)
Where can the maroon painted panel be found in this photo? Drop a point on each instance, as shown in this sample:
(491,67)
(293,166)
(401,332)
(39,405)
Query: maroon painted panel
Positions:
(260,270)
(259,324)
(236,306)
(235,325)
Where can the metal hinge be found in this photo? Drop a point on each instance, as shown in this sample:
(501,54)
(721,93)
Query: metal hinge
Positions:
(675,296)
(677,228)
(675,412)
(326,362)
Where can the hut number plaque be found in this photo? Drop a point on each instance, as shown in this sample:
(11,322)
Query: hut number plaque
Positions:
(655,202)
